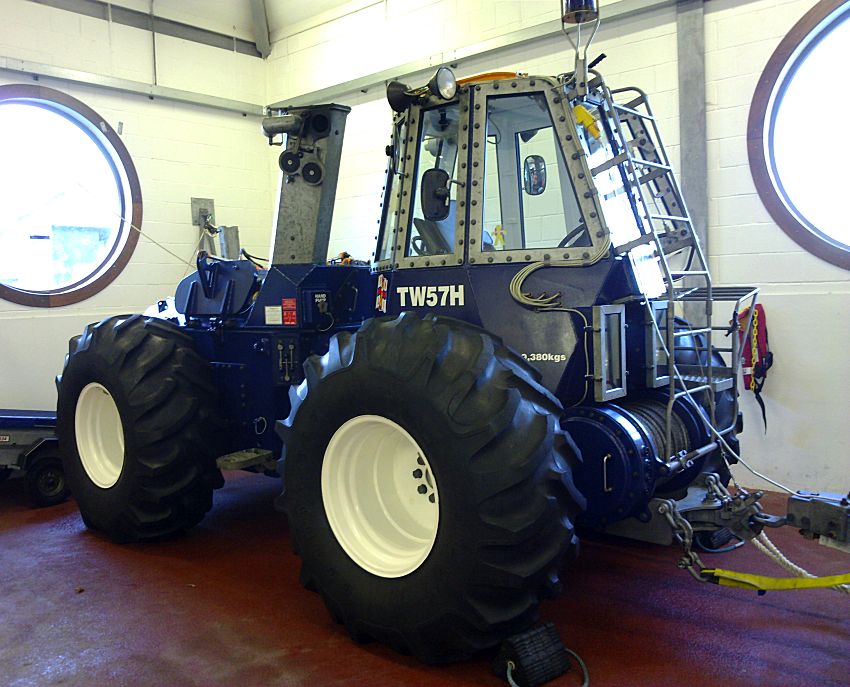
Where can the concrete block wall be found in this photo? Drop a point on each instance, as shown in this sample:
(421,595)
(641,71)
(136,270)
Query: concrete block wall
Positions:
(179,151)
(381,35)
(806,299)
(362,174)
(543,214)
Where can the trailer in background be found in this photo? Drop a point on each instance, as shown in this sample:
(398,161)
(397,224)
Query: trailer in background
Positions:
(28,444)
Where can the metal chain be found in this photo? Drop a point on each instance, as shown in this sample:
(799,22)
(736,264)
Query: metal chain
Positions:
(716,488)
(683,531)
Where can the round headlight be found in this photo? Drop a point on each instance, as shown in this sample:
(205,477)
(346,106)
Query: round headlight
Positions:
(443,83)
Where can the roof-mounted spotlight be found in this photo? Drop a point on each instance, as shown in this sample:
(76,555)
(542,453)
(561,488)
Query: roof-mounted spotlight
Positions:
(443,85)
(579,11)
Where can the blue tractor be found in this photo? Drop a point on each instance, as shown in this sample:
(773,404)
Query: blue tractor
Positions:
(536,346)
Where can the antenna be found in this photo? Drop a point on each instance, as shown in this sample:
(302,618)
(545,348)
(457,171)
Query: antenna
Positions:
(575,13)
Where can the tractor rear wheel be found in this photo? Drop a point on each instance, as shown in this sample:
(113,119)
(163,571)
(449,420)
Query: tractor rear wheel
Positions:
(137,424)
(428,486)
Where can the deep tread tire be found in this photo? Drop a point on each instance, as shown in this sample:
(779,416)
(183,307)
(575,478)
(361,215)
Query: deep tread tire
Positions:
(503,468)
(164,394)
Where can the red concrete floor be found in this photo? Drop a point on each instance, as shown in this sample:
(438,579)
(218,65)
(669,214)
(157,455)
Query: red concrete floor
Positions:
(222,606)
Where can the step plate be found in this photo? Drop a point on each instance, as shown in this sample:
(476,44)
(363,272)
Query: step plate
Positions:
(247,458)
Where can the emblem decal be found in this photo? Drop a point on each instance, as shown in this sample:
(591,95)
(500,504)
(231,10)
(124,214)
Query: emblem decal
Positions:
(381,298)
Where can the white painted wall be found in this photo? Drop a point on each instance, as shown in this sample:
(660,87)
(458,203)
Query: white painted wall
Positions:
(179,151)
(380,35)
(807,300)
(185,150)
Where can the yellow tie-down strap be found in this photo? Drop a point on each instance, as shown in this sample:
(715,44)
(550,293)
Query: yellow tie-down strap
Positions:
(761,583)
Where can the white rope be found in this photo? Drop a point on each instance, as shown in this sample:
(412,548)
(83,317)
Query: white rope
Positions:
(769,549)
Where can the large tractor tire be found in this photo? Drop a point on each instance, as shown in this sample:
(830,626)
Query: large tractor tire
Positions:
(428,486)
(137,428)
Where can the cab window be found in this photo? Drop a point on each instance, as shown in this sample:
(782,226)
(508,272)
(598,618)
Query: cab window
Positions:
(529,199)
(392,196)
(437,150)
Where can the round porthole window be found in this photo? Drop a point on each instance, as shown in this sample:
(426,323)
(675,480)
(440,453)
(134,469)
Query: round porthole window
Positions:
(69,198)
(797,149)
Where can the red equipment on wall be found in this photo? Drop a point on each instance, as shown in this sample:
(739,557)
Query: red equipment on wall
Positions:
(757,357)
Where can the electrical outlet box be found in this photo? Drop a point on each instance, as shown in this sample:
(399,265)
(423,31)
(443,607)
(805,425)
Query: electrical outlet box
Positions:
(202,206)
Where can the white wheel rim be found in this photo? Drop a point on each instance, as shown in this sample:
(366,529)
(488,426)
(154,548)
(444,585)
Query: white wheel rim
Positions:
(380,496)
(100,435)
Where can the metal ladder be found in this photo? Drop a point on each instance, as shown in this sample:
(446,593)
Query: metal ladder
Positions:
(666,225)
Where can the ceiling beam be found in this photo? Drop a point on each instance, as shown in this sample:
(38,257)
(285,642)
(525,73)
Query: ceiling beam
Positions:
(148,22)
(36,70)
(261,27)
(615,11)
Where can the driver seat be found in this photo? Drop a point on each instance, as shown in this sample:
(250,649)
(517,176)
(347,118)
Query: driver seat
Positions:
(436,238)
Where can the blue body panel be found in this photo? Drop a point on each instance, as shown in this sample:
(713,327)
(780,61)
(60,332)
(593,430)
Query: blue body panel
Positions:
(258,353)
(257,350)
(27,419)
(255,357)
(549,340)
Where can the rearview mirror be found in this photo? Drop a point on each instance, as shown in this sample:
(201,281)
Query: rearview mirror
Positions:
(534,175)
(435,194)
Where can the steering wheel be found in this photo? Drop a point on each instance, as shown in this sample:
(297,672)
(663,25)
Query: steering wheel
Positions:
(570,238)
(417,245)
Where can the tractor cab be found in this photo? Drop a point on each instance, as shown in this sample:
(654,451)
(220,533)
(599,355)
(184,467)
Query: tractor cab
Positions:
(495,174)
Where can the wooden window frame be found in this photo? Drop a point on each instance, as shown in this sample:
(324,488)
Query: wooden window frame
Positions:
(780,68)
(117,258)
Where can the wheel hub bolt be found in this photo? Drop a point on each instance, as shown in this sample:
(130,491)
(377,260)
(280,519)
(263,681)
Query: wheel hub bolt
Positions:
(422,489)
(417,473)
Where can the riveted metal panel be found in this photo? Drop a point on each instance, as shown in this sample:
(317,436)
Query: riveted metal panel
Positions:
(603,356)
(577,168)
(405,220)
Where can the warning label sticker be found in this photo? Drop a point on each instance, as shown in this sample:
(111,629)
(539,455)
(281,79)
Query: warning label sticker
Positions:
(290,312)
(273,315)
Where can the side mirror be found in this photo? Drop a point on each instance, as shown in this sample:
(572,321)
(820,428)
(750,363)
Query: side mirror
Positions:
(435,195)
(534,175)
